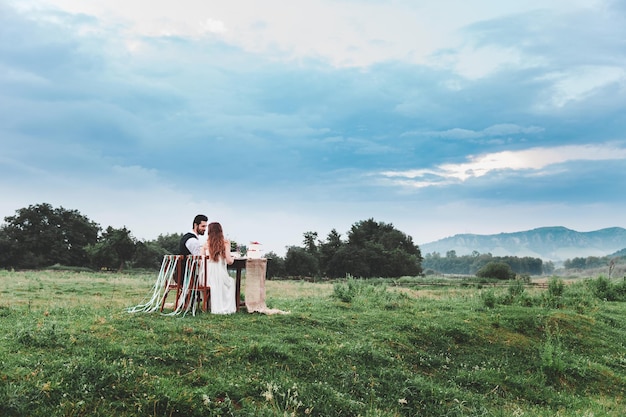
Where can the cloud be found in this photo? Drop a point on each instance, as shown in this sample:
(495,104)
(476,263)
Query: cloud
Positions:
(495,131)
(342,33)
(215,26)
(579,83)
(225,106)
(534,160)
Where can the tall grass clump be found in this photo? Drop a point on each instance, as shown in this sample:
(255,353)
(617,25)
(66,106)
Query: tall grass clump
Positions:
(515,294)
(554,297)
(361,292)
(552,356)
(489,298)
(516,288)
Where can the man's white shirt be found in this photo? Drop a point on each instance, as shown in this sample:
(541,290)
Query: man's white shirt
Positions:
(194,245)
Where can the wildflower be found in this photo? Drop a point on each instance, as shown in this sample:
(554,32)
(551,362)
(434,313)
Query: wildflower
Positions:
(271,389)
(46,388)
(402,401)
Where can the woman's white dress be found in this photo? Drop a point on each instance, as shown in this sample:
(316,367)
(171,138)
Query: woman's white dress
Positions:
(222,288)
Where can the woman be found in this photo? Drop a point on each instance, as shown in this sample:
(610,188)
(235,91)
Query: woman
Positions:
(222,285)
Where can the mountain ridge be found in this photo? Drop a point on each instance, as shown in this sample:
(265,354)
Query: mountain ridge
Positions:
(553,243)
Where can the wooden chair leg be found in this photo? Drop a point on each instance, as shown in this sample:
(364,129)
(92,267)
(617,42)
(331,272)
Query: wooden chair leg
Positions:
(164,298)
(167,261)
(177,277)
(207,299)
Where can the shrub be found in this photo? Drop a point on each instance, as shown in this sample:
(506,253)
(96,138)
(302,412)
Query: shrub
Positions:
(553,298)
(360,292)
(580,297)
(603,289)
(620,290)
(555,287)
(516,288)
(489,298)
(498,270)
(552,357)
(346,291)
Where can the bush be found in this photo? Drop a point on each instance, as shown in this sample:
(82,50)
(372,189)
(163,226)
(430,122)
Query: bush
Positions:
(552,357)
(604,289)
(516,288)
(350,289)
(498,270)
(554,297)
(489,298)
(556,287)
(601,288)
(361,292)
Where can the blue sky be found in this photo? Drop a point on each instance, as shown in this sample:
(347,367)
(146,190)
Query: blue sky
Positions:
(276,118)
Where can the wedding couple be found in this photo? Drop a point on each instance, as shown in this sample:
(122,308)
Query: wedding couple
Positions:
(217,249)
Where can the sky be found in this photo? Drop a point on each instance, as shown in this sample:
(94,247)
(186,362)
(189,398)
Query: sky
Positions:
(277,118)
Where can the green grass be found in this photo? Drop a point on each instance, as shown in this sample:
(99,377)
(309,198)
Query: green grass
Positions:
(68,348)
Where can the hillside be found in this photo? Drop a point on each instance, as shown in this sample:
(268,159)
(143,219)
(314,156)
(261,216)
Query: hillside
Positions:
(548,243)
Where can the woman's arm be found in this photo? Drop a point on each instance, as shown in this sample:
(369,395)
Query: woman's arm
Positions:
(229,257)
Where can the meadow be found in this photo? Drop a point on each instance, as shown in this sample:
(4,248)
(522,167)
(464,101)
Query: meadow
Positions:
(347,348)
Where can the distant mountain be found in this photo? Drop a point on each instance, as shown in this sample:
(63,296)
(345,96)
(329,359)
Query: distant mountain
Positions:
(548,243)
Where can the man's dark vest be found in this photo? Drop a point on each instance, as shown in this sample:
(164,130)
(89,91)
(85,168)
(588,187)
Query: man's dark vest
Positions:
(182,250)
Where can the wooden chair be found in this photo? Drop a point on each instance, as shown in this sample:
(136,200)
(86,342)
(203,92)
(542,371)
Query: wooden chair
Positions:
(198,267)
(175,282)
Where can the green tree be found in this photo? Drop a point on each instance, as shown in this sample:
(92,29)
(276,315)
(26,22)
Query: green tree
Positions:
(300,263)
(386,251)
(372,249)
(350,259)
(40,236)
(114,248)
(327,254)
(148,255)
(170,242)
(476,263)
(310,242)
(575,263)
(275,265)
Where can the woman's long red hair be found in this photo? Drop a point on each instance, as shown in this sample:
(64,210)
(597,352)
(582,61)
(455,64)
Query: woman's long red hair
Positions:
(215,239)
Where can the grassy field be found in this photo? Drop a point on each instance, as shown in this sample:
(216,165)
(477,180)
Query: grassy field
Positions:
(350,348)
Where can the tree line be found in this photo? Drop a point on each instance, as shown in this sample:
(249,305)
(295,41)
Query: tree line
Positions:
(471,264)
(591,262)
(41,236)
(615,263)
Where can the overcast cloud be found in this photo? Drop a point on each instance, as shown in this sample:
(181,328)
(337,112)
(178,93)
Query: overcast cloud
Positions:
(276,118)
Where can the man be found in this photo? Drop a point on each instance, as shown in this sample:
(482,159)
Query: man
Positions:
(190,243)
